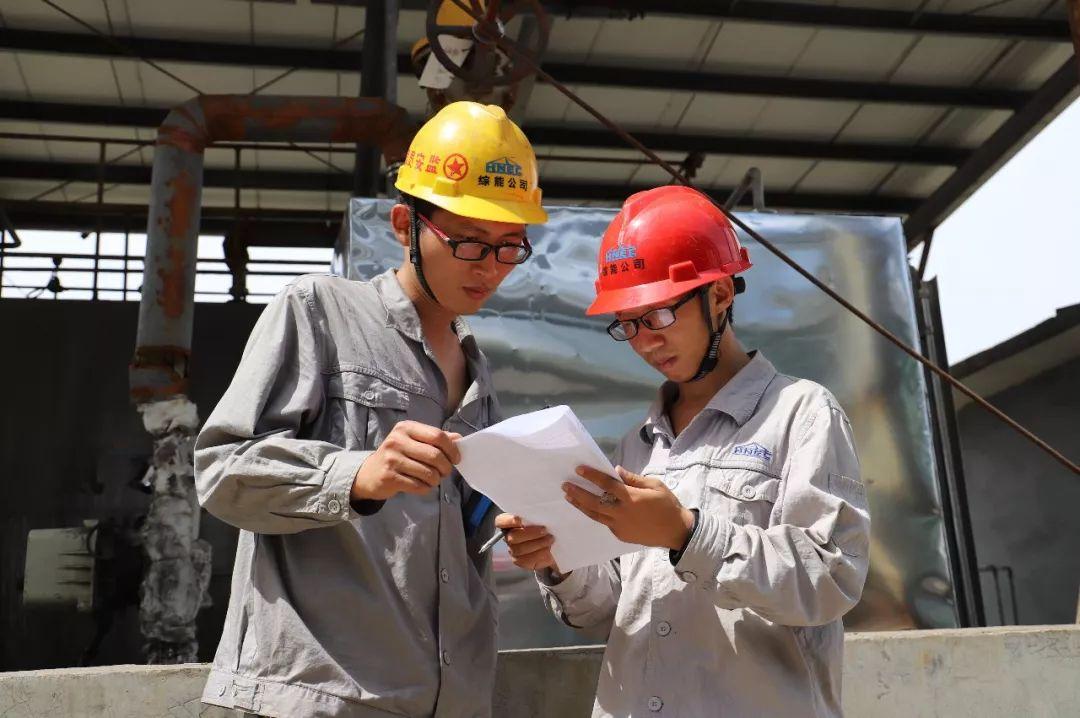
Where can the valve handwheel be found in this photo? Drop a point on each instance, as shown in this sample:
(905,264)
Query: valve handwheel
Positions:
(480,67)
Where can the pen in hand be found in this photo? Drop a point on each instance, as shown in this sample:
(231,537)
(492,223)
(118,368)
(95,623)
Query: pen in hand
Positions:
(499,536)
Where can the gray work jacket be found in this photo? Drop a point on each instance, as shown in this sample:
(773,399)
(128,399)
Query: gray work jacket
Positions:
(341,609)
(747,623)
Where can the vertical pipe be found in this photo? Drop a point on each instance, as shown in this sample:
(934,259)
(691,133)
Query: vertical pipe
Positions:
(1012,594)
(236,184)
(378,78)
(127,243)
(954,503)
(928,240)
(100,208)
(997,592)
(177,568)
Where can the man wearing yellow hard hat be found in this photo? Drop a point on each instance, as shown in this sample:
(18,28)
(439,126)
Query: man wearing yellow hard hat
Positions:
(358,589)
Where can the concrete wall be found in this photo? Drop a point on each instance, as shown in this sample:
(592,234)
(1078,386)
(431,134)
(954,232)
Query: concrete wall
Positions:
(988,673)
(1024,505)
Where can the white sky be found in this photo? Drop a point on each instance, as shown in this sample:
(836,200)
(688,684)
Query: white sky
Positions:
(1009,257)
(1005,260)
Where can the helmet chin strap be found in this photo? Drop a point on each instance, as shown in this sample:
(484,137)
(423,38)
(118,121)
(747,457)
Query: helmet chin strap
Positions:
(414,249)
(712,354)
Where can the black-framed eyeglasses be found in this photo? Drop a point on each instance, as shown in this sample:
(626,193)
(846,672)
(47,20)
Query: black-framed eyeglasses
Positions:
(660,318)
(472,250)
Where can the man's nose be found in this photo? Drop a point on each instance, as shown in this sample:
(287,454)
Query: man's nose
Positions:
(646,339)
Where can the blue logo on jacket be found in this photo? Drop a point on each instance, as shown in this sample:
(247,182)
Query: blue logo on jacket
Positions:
(754,450)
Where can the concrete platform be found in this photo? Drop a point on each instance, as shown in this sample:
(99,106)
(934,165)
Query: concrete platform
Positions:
(1033,671)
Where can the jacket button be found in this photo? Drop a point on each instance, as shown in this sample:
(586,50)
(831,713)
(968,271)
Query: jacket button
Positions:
(748,492)
(663,628)
(688,576)
(446,657)
(444,575)
(334,506)
(369,395)
(655,704)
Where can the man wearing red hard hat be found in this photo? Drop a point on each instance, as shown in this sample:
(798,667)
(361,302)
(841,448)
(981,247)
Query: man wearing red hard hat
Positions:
(742,483)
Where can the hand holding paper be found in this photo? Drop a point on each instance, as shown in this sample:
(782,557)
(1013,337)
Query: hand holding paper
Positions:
(522,463)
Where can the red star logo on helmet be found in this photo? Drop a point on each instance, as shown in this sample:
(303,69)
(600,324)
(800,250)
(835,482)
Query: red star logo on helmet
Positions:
(456,167)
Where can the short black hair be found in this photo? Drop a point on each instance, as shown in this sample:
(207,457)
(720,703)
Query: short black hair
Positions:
(422,205)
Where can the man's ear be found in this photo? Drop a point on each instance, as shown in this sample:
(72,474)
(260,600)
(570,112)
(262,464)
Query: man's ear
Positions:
(399,221)
(722,293)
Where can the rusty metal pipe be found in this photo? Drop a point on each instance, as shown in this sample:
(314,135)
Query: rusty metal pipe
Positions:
(159,368)
(177,573)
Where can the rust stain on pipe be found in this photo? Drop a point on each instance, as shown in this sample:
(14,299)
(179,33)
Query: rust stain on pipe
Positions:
(181,138)
(181,205)
(367,121)
(172,292)
(168,300)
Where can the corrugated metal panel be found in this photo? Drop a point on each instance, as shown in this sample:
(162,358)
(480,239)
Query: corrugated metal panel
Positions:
(779,175)
(851,54)
(915,181)
(658,40)
(772,49)
(833,176)
(948,60)
(887,123)
(638,108)
(722,115)
(60,77)
(803,119)
(968,128)
(665,41)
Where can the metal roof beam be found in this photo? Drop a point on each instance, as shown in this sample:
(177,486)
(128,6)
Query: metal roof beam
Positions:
(1047,102)
(278,228)
(83,44)
(885,153)
(559,136)
(215,53)
(779,86)
(794,13)
(83,114)
(321,182)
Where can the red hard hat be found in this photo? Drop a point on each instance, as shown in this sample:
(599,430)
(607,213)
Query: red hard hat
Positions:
(663,243)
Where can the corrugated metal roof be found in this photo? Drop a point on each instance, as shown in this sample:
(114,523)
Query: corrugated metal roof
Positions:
(54,76)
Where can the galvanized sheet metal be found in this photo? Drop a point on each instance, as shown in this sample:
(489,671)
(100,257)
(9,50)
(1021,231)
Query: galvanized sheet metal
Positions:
(545,351)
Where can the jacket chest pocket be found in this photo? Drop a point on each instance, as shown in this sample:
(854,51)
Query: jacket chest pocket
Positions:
(743,496)
(364,409)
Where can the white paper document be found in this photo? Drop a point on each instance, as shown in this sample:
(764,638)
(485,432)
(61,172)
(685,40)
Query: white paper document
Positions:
(522,463)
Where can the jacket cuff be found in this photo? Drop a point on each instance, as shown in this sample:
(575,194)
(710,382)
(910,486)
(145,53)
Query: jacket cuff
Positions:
(564,587)
(702,556)
(336,497)
(675,556)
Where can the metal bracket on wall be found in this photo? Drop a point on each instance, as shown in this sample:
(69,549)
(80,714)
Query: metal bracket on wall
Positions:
(753,183)
(6,228)
(994,572)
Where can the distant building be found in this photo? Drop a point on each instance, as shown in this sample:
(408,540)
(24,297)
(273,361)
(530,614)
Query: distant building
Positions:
(1025,506)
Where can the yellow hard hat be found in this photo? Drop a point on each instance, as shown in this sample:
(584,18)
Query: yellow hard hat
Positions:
(472,160)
